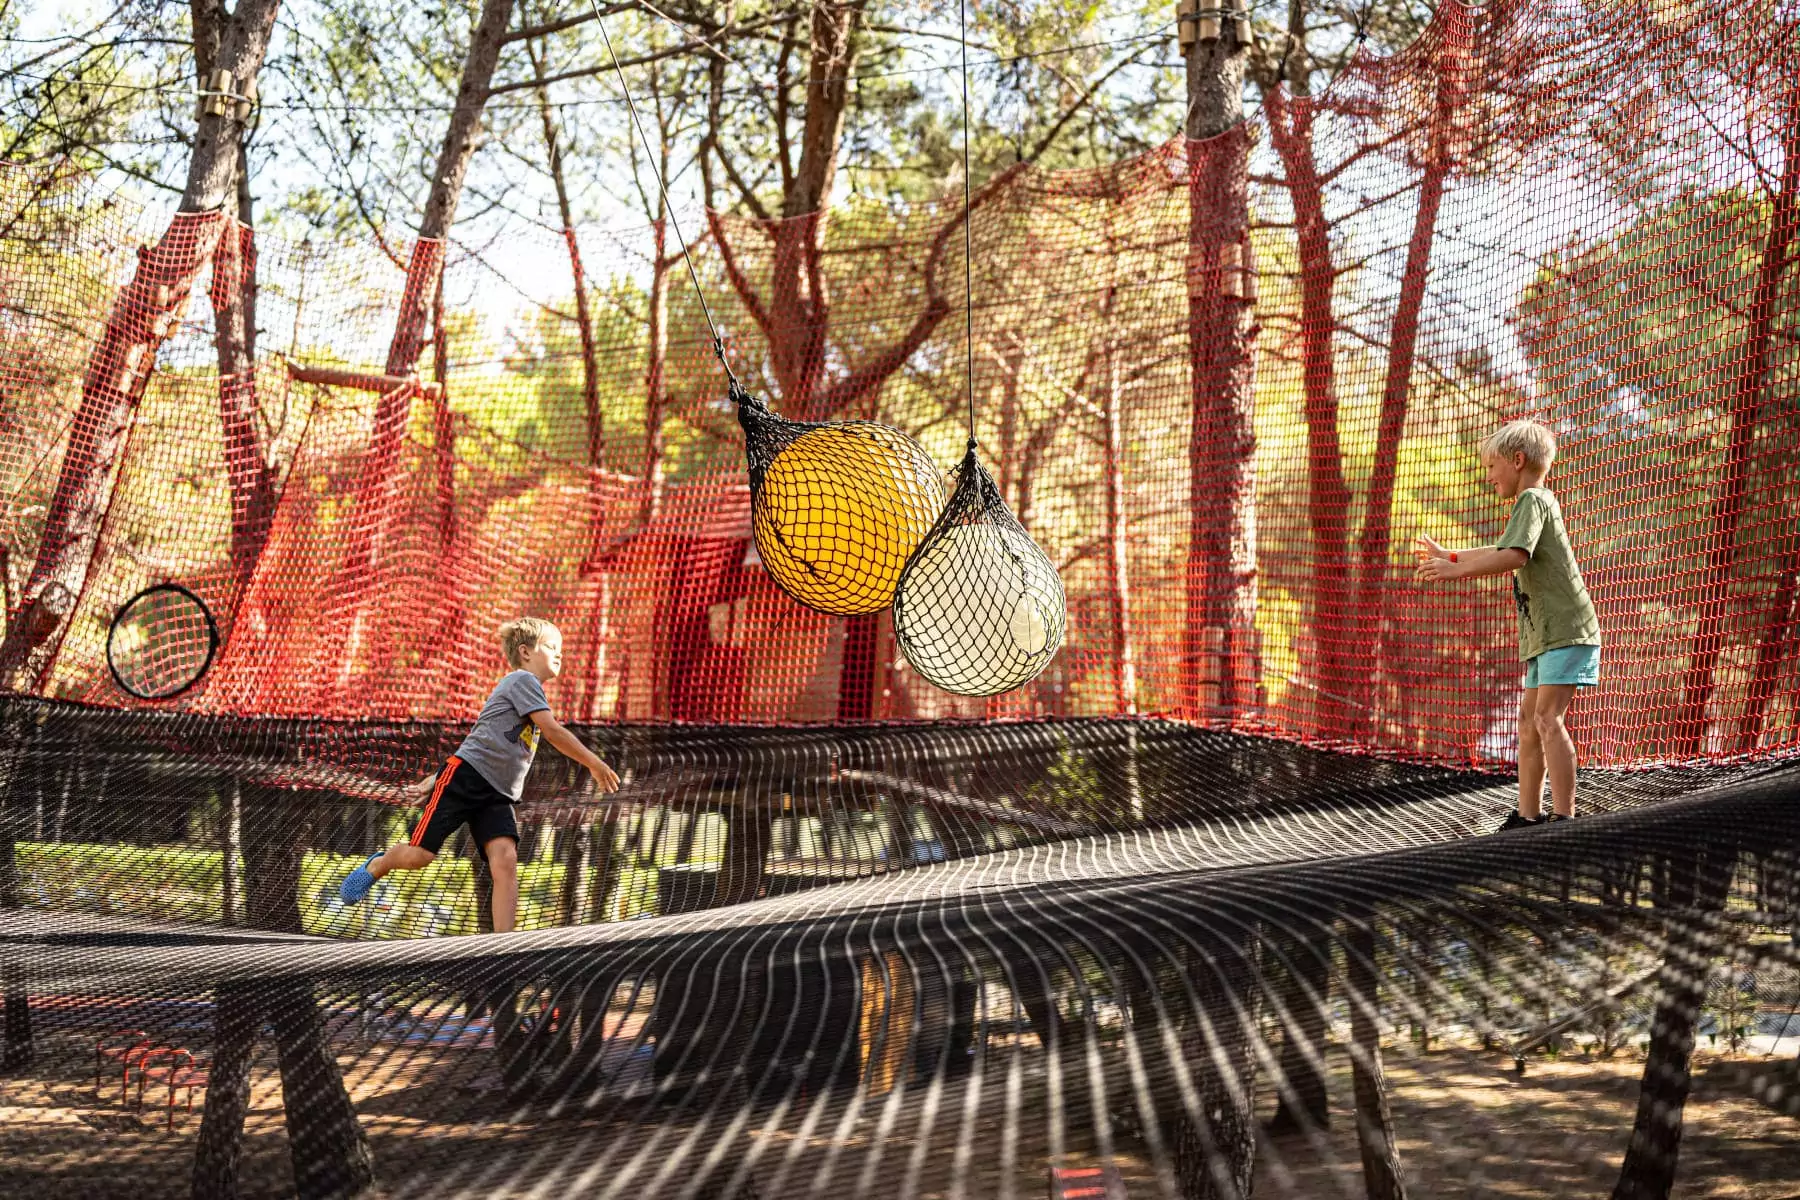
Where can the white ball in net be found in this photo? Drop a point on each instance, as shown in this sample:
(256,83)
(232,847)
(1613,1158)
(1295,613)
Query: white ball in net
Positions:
(980,611)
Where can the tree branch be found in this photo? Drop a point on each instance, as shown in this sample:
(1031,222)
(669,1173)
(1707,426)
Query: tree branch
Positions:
(550,27)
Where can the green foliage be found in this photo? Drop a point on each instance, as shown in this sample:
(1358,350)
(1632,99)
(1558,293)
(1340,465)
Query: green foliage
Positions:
(438,900)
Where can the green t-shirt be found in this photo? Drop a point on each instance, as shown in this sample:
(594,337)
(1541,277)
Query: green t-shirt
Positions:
(1554,607)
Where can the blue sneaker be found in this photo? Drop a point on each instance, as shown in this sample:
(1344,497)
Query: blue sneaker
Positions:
(357,883)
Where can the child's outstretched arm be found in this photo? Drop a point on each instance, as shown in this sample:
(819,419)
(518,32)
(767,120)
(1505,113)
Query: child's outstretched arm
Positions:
(1436,563)
(570,745)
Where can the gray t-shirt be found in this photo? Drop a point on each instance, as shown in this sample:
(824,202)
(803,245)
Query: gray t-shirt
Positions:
(1554,607)
(503,741)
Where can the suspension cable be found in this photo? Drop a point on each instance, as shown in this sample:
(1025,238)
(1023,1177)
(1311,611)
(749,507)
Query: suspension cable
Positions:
(668,206)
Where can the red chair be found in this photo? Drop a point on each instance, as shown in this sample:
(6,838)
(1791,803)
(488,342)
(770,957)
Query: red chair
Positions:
(124,1047)
(179,1069)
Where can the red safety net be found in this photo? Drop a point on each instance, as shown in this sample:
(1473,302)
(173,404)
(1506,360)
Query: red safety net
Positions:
(1584,214)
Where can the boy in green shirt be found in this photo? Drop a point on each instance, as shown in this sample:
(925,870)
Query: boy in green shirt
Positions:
(1559,633)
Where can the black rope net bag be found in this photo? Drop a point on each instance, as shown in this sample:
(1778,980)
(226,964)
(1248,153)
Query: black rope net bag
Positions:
(836,508)
(980,609)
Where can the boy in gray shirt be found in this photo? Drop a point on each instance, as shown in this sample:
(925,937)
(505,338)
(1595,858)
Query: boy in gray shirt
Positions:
(483,779)
(1559,632)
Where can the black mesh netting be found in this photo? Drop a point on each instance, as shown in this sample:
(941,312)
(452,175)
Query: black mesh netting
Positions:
(979,609)
(836,508)
(887,961)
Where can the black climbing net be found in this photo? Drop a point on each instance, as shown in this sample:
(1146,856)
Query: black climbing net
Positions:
(887,961)
(979,609)
(837,508)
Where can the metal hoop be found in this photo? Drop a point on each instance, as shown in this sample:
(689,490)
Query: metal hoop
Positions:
(212,641)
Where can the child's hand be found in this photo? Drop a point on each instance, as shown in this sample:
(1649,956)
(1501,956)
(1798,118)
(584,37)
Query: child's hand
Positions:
(1433,569)
(421,788)
(605,778)
(1425,547)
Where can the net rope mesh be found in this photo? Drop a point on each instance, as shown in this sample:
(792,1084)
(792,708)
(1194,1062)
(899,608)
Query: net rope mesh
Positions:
(842,932)
(838,508)
(979,610)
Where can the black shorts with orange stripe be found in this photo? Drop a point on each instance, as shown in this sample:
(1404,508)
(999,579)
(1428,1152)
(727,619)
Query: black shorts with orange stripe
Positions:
(461,797)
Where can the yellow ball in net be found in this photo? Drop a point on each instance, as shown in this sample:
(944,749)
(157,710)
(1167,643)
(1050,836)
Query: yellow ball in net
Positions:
(839,512)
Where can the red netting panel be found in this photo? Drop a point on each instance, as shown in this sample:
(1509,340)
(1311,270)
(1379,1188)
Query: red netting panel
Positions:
(1584,216)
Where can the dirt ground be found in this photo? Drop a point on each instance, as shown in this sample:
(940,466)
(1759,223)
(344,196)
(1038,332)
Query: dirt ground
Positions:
(1468,1128)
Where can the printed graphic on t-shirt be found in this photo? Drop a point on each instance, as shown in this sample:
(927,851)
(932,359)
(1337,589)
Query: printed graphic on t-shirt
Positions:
(525,734)
(1522,600)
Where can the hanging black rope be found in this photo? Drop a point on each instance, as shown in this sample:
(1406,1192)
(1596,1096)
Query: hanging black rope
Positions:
(979,609)
(663,191)
(962,41)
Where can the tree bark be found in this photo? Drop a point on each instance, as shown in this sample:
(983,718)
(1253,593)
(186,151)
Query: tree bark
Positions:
(795,317)
(331,1156)
(326,1143)
(746,852)
(1215,1156)
(247,468)
(16,1042)
(592,660)
(248,476)
(220,1146)
(605,873)
(461,140)
(1305,983)
(1746,402)
(656,374)
(1383,1178)
(1378,508)
(1328,496)
(1696,884)
(1118,538)
(1221,569)
(584,321)
(1780,630)
(418,307)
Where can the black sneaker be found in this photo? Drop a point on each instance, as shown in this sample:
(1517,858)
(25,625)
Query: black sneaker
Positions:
(1517,820)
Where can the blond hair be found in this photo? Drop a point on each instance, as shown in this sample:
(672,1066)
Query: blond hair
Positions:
(522,635)
(1529,438)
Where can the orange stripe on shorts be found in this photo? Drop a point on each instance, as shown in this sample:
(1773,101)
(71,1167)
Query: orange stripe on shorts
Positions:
(431,804)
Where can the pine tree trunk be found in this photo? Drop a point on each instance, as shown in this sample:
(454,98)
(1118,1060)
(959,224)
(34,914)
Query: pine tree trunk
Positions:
(1118,539)
(1746,401)
(1383,1178)
(16,1042)
(1215,1155)
(1328,496)
(414,323)
(1694,885)
(1378,508)
(747,844)
(1780,630)
(1305,982)
(1218,668)
(461,140)
(326,1143)
(219,1147)
(247,472)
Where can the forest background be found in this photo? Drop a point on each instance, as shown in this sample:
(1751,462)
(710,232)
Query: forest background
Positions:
(444,363)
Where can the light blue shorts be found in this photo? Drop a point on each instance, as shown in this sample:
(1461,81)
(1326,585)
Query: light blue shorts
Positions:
(1579,665)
